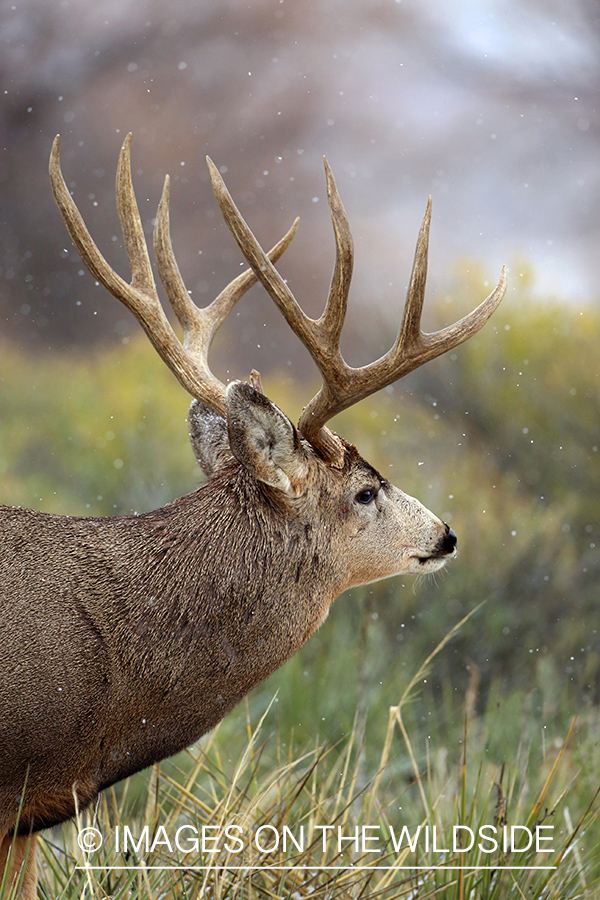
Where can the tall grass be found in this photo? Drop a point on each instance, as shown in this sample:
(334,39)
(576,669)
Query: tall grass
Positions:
(287,808)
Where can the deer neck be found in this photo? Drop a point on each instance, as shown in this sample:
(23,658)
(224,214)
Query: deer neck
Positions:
(227,590)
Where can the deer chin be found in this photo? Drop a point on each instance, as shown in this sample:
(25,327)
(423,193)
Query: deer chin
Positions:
(424,565)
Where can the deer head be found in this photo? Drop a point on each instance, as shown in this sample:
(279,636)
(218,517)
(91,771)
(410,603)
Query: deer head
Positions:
(239,420)
(156,625)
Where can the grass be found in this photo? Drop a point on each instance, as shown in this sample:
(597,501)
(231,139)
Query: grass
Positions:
(261,818)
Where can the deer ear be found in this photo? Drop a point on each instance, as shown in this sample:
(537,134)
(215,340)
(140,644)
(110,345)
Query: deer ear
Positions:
(263,439)
(210,441)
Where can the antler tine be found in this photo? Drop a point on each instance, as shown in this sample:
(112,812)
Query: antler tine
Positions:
(415,295)
(80,236)
(131,226)
(337,301)
(189,362)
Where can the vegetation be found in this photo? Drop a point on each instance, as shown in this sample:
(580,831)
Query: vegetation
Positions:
(500,438)
(267,822)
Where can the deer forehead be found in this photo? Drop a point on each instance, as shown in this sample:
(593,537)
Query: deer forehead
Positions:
(357,474)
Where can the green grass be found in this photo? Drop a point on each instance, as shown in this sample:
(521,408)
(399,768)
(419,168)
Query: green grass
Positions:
(264,781)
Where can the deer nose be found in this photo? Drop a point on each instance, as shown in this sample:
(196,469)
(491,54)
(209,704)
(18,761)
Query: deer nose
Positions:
(449,541)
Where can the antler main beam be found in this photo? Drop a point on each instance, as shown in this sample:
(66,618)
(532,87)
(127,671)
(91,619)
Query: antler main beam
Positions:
(344,385)
(187,359)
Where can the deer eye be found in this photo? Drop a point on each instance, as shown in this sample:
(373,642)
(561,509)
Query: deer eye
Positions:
(366,496)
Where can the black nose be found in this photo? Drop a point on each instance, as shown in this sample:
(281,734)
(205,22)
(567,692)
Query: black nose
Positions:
(449,541)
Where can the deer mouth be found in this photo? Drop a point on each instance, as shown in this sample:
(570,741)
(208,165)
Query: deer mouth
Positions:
(445,550)
(432,563)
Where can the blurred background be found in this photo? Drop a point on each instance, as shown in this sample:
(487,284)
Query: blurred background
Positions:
(491,107)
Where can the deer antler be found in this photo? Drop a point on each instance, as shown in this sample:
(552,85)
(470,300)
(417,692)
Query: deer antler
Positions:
(344,385)
(187,359)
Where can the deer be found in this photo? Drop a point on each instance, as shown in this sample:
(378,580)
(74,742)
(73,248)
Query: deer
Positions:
(124,639)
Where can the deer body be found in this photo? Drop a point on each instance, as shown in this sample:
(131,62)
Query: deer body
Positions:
(153,627)
(142,632)
(124,639)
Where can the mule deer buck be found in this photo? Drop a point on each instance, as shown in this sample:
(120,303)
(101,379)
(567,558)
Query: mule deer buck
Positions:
(125,639)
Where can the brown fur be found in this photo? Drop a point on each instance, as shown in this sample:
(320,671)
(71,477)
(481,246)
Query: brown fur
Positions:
(17,853)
